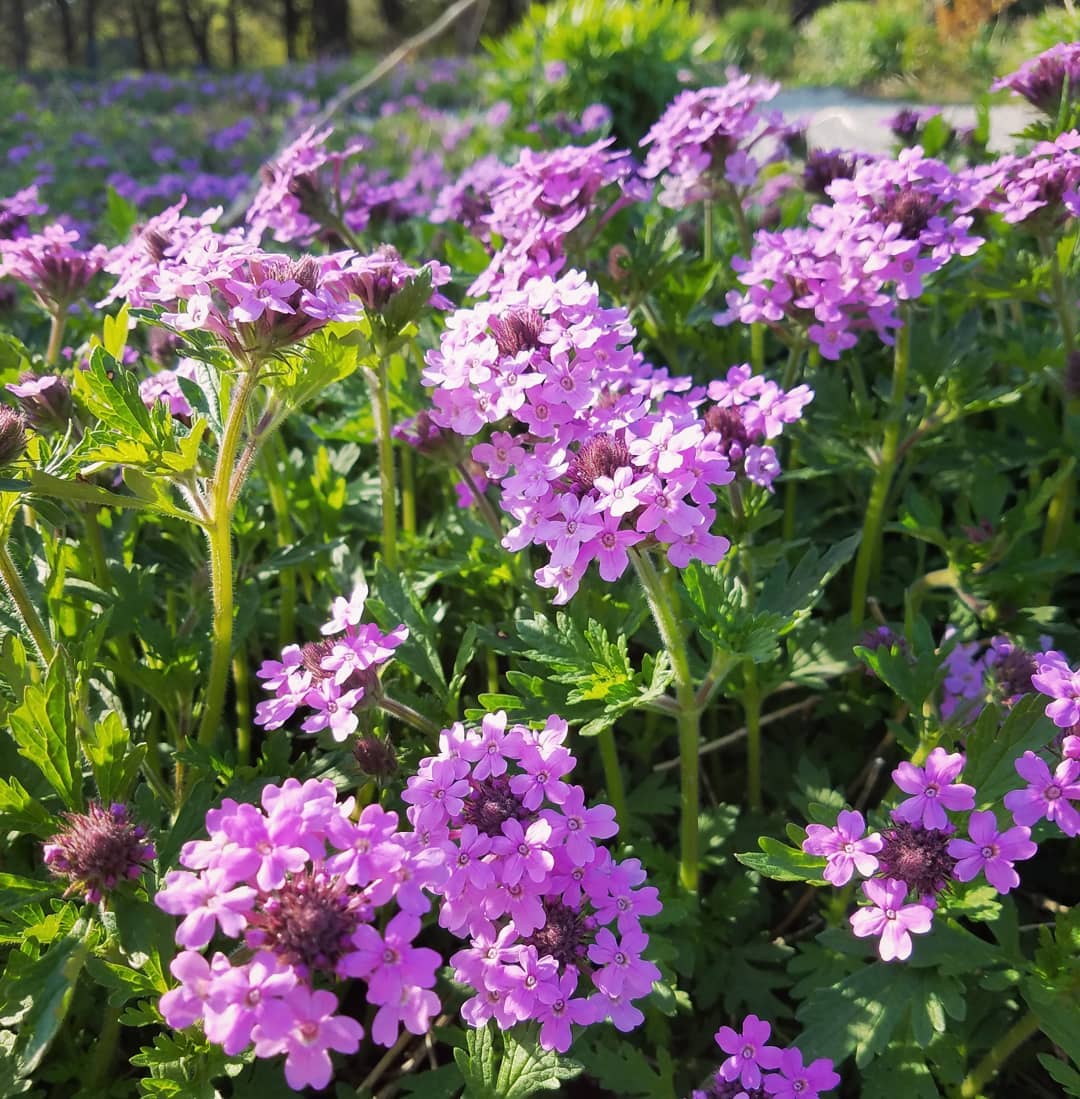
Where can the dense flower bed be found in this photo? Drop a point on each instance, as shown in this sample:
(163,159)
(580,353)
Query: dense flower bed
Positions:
(717,455)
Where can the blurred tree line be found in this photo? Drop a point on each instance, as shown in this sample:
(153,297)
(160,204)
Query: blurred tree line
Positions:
(166,34)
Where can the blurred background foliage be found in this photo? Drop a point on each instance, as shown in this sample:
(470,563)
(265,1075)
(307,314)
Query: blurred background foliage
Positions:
(630,54)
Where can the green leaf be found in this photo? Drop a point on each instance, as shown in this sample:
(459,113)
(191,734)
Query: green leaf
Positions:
(37,998)
(1057,1015)
(478,1063)
(994,745)
(783,863)
(120,214)
(113,759)
(1061,1073)
(20,812)
(900,1073)
(115,333)
(16,891)
(526,1068)
(443,1082)
(625,1071)
(792,596)
(44,730)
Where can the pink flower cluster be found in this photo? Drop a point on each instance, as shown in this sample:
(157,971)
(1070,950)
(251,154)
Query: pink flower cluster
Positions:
(544,197)
(16,211)
(553,921)
(1042,80)
(300,884)
(164,386)
(313,192)
(890,226)
(704,138)
(333,677)
(918,856)
(259,302)
(1039,190)
(49,264)
(755,1068)
(595,451)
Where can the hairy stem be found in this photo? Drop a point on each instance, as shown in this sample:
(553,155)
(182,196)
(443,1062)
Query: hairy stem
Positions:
(999,1053)
(56,337)
(404,712)
(219,536)
(13,584)
(279,502)
(688,716)
(751,700)
(870,546)
(380,396)
(613,779)
(408,491)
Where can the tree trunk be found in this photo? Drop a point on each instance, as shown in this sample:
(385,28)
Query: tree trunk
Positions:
(157,36)
(330,24)
(232,16)
(91,33)
(290,25)
(393,13)
(20,37)
(140,35)
(197,23)
(67,33)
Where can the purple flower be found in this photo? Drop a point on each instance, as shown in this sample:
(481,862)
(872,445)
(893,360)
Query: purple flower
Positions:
(935,790)
(1046,795)
(98,850)
(1041,81)
(1057,680)
(315,1030)
(992,851)
(798,1081)
(844,847)
(748,1050)
(50,266)
(888,917)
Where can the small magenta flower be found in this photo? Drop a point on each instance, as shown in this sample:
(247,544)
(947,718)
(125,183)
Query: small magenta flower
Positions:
(1046,795)
(992,851)
(935,789)
(98,850)
(315,1030)
(844,847)
(888,917)
(798,1081)
(1058,681)
(748,1050)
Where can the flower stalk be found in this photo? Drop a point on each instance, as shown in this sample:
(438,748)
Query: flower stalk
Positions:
(14,586)
(688,716)
(613,779)
(870,546)
(379,382)
(973,1084)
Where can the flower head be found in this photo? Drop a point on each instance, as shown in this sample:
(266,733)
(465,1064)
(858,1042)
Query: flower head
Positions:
(1042,80)
(98,850)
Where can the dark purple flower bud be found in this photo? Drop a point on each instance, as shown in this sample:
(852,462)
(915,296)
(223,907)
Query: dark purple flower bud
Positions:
(565,934)
(490,803)
(518,331)
(599,456)
(1042,81)
(918,857)
(823,166)
(12,436)
(732,429)
(911,210)
(44,399)
(374,756)
(98,850)
(310,920)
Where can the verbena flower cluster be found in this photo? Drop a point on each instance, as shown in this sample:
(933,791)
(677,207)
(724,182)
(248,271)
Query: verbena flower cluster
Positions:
(50,265)
(1043,79)
(890,225)
(701,145)
(912,861)
(331,678)
(540,200)
(754,1069)
(304,888)
(98,850)
(594,450)
(553,922)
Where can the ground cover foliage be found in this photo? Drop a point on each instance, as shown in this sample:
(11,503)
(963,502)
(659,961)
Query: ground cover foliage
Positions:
(501,609)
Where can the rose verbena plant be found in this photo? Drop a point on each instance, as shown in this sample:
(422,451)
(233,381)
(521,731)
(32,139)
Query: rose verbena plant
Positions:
(487,610)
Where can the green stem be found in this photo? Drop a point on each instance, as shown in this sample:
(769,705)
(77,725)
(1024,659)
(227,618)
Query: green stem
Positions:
(101,1056)
(751,700)
(404,712)
(243,706)
(491,516)
(999,1053)
(97,548)
(1060,511)
(408,491)
(870,546)
(13,584)
(56,337)
(219,536)
(708,232)
(757,347)
(790,491)
(279,503)
(613,780)
(380,396)
(688,717)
